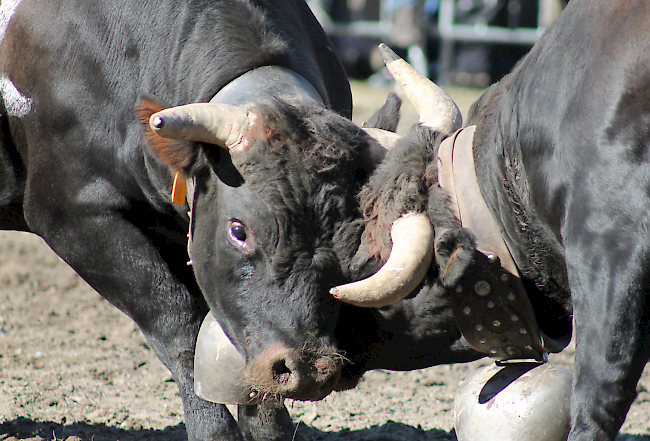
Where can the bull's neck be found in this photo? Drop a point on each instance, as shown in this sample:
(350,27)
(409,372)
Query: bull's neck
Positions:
(457,175)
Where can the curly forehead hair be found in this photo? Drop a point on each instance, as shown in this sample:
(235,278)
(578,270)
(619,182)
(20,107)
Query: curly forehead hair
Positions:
(310,146)
(309,167)
(320,138)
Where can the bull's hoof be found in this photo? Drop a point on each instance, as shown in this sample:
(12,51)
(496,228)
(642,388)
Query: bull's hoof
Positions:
(259,423)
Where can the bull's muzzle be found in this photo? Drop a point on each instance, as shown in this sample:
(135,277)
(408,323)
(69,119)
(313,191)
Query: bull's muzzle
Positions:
(284,372)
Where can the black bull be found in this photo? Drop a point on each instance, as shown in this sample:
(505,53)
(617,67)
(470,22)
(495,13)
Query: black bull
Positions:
(276,221)
(562,149)
(562,157)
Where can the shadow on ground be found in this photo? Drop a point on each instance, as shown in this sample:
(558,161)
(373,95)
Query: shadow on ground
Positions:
(392,431)
(26,429)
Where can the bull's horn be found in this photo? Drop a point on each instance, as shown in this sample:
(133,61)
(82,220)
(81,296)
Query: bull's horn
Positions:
(407,265)
(436,109)
(384,137)
(219,124)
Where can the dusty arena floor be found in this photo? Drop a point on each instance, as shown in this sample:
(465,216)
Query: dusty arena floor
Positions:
(74,368)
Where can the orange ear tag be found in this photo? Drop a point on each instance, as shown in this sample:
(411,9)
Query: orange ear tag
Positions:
(179,189)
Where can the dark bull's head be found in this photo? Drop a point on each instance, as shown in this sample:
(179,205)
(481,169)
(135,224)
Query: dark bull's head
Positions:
(276,224)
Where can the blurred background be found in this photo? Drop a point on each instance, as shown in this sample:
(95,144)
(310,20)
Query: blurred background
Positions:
(454,42)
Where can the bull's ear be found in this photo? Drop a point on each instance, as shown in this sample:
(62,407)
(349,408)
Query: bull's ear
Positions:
(178,154)
(388,115)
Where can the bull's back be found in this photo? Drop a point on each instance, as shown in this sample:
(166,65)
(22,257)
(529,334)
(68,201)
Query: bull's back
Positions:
(577,109)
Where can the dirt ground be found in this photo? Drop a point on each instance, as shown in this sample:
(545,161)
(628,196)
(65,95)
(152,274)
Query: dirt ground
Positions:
(73,367)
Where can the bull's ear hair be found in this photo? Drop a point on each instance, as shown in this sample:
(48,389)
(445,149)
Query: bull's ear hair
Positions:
(387,117)
(179,155)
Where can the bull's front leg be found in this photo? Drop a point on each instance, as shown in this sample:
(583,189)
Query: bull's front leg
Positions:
(609,293)
(260,423)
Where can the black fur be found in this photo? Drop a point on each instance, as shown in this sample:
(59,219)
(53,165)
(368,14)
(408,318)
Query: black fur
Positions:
(400,185)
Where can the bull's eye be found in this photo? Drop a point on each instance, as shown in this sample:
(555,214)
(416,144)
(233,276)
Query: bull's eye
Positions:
(238,232)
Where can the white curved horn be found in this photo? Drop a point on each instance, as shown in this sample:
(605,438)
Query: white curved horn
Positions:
(219,124)
(386,138)
(435,107)
(409,261)
(383,142)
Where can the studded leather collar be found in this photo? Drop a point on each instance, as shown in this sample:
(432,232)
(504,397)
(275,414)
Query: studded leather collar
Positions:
(490,304)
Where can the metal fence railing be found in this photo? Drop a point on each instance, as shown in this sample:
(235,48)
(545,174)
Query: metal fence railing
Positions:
(446,28)
(451,32)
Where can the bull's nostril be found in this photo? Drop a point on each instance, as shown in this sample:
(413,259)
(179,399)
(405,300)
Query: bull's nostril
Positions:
(281,372)
(326,367)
